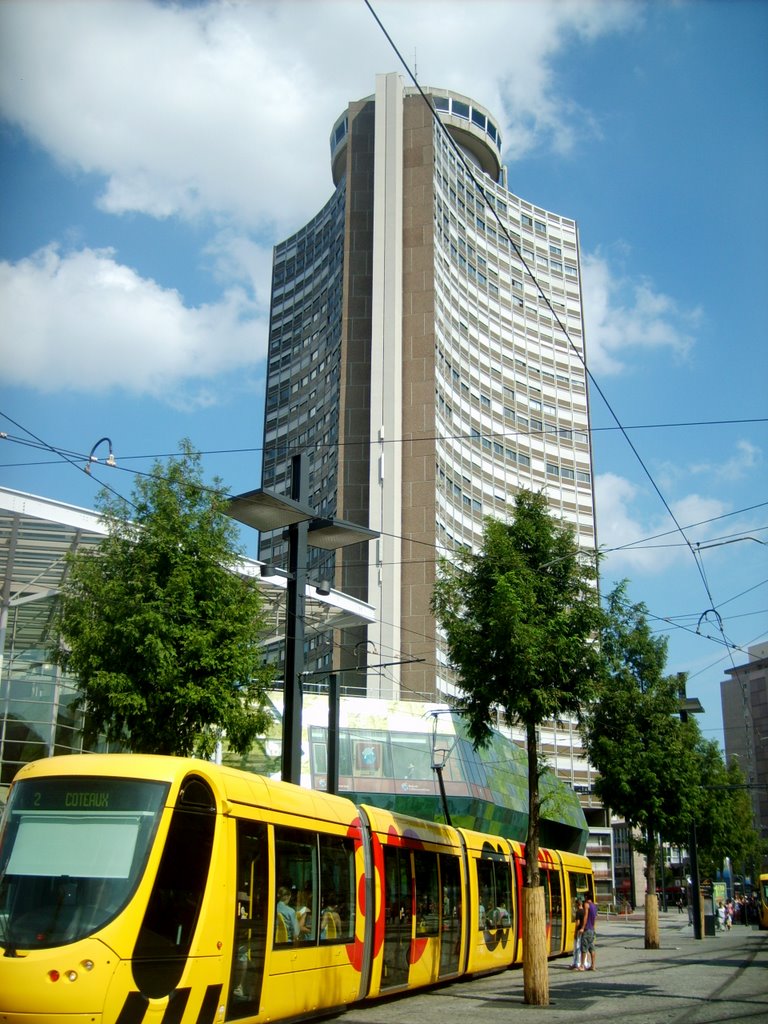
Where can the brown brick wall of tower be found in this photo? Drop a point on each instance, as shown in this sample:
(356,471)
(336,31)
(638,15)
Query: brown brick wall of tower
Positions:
(418,431)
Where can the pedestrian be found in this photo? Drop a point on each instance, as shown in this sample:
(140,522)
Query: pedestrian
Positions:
(579,919)
(720,916)
(588,934)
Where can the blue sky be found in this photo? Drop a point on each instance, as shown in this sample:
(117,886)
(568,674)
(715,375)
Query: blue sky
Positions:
(153,153)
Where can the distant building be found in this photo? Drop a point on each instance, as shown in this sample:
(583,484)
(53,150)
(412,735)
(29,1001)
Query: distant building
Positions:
(744,699)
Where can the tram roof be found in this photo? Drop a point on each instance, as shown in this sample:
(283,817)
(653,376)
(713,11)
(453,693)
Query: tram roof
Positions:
(37,533)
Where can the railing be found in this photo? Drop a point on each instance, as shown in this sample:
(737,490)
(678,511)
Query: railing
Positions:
(615,910)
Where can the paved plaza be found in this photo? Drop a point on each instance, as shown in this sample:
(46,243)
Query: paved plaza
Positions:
(687,981)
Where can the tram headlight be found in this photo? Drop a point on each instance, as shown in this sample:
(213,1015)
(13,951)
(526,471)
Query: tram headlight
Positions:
(87,965)
(70,975)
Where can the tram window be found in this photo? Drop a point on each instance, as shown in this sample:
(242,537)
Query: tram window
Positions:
(427,893)
(397,898)
(337,889)
(450,878)
(578,885)
(315,881)
(494,887)
(296,878)
(73,852)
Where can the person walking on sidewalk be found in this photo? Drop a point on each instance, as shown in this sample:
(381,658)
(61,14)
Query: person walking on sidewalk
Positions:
(588,934)
(579,918)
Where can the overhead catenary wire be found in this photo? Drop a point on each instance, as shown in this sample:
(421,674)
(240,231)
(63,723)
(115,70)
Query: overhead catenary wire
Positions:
(73,458)
(491,208)
(318,445)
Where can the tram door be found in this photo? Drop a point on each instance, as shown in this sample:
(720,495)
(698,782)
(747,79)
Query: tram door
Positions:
(250,920)
(398,913)
(544,878)
(553,908)
(556,897)
(450,934)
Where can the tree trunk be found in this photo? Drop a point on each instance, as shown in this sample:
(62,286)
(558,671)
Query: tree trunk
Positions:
(652,940)
(535,965)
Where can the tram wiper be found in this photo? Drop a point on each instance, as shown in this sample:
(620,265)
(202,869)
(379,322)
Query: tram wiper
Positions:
(5,925)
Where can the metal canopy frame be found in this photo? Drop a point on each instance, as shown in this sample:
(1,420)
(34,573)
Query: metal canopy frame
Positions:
(37,533)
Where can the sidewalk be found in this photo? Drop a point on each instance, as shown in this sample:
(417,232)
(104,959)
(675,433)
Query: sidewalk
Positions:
(687,981)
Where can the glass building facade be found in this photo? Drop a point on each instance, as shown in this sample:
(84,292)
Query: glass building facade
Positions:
(38,717)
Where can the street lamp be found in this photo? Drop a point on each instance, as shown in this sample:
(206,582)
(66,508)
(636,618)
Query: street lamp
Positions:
(264,511)
(440,756)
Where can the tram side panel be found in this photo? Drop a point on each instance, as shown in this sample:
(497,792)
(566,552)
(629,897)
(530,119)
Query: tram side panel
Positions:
(493,908)
(301,907)
(420,934)
(249,959)
(558,901)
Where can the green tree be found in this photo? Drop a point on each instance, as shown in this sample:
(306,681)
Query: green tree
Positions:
(636,741)
(161,632)
(724,817)
(520,619)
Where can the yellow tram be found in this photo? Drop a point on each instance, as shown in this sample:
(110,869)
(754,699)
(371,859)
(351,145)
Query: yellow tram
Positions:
(138,889)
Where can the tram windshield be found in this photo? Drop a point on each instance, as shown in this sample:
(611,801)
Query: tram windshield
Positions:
(72,851)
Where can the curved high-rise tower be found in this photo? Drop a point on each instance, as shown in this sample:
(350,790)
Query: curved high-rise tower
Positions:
(420,368)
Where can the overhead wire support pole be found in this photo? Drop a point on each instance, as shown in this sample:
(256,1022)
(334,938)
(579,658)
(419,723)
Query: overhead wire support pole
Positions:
(266,510)
(295,630)
(332,752)
(692,705)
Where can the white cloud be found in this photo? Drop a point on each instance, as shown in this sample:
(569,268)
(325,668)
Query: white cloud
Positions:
(83,322)
(618,526)
(237,258)
(648,544)
(221,113)
(625,318)
(746,458)
(221,108)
